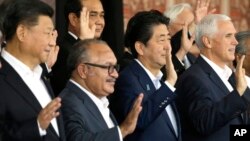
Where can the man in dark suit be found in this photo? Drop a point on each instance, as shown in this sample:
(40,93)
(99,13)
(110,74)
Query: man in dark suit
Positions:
(182,23)
(27,111)
(216,97)
(148,37)
(85,19)
(84,100)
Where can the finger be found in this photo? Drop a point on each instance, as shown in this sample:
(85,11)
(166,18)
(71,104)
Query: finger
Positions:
(185,30)
(192,38)
(137,105)
(203,3)
(57,49)
(87,17)
(198,4)
(212,11)
(53,105)
(207,3)
(83,14)
(240,62)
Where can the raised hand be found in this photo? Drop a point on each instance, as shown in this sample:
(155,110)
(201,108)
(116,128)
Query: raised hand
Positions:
(48,113)
(86,32)
(186,43)
(170,71)
(241,83)
(129,124)
(201,10)
(53,52)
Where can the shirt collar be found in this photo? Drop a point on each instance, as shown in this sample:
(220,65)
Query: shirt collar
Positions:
(20,67)
(154,79)
(73,35)
(224,73)
(101,103)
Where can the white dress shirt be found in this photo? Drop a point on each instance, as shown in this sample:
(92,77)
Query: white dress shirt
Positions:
(156,81)
(102,104)
(32,79)
(223,73)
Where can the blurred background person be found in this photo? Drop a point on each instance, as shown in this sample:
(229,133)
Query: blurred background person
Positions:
(183,19)
(85,19)
(243,48)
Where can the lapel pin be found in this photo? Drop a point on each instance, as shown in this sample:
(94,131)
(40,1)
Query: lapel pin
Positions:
(148,88)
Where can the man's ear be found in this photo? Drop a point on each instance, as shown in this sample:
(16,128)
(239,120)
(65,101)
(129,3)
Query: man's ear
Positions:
(206,41)
(139,47)
(21,32)
(73,19)
(82,70)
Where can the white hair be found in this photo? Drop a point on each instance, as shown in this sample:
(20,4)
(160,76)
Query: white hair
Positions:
(208,26)
(175,10)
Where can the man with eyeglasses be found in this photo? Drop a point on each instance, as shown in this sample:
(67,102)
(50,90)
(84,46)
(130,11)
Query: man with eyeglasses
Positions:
(85,20)
(84,100)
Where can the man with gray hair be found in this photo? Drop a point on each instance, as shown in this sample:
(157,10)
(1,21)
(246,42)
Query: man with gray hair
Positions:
(181,27)
(217,97)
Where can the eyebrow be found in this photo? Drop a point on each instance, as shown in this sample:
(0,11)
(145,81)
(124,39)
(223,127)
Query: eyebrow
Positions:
(165,35)
(96,12)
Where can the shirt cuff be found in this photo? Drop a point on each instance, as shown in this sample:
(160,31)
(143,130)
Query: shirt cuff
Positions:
(172,88)
(120,133)
(41,131)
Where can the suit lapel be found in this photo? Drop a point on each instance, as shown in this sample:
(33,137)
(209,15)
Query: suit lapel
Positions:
(143,78)
(59,118)
(177,119)
(212,75)
(113,118)
(168,122)
(17,84)
(90,105)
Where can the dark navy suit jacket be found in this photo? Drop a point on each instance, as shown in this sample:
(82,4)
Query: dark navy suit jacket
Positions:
(82,118)
(153,123)
(19,109)
(206,107)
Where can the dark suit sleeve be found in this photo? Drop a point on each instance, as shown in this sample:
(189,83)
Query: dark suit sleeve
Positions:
(17,131)
(206,106)
(126,91)
(178,66)
(77,127)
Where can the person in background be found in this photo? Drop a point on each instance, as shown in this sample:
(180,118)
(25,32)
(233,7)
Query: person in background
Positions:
(85,20)
(217,97)
(28,109)
(84,99)
(243,48)
(183,19)
(148,37)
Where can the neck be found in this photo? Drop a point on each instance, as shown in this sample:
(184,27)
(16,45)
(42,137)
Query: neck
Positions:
(15,50)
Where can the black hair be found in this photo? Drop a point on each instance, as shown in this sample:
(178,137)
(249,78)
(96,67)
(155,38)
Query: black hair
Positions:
(24,12)
(72,6)
(140,27)
(241,37)
(79,53)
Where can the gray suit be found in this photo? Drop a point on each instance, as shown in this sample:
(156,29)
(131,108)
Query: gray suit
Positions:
(83,120)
